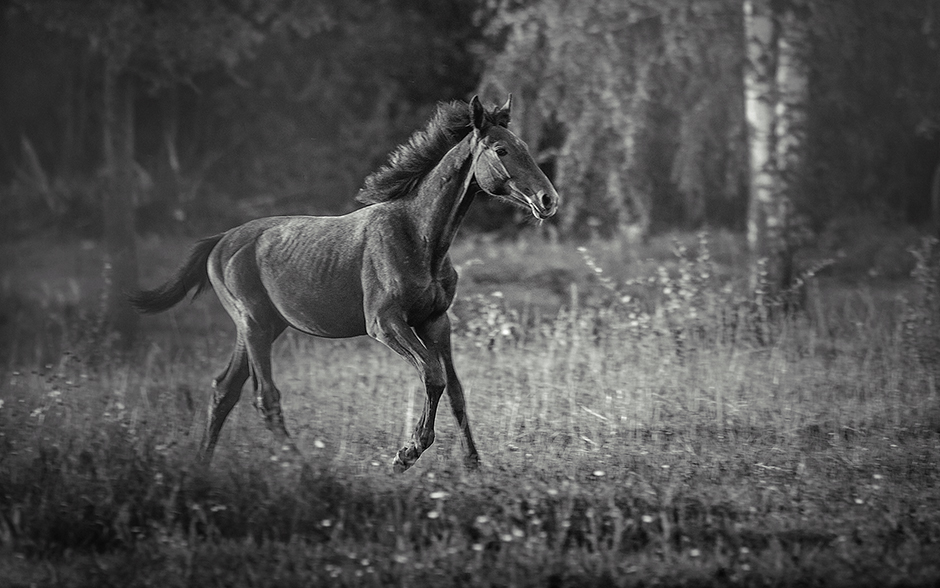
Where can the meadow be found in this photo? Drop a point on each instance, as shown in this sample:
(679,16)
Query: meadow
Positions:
(643,417)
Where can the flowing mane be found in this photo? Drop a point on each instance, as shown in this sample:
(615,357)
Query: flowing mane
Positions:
(411,161)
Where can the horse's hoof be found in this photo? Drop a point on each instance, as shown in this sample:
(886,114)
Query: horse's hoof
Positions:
(472,463)
(404,459)
(398,466)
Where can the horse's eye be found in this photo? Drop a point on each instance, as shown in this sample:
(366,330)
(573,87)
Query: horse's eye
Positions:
(501,151)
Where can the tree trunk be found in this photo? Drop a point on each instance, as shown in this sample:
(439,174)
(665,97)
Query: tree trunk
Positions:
(120,240)
(170,167)
(767,214)
(792,84)
(935,201)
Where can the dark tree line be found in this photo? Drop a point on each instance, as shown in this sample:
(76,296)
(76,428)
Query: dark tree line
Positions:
(278,104)
(637,107)
(641,104)
(124,115)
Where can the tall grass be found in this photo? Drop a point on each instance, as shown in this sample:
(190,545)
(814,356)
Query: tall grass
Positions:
(664,425)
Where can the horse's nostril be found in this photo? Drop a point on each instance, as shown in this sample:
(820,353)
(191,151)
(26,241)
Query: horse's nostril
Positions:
(546,201)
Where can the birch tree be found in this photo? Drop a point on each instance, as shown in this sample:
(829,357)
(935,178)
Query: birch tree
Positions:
(776,99)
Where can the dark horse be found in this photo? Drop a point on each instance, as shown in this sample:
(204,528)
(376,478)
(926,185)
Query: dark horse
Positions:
(382,271)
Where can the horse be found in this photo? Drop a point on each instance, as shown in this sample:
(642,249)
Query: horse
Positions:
(383,270)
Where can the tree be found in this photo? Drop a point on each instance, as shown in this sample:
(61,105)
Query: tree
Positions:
(151,44)
(874,117)
(775,90)
(636,103)
(649,115)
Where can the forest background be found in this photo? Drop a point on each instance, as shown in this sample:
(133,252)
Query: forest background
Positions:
(243,108)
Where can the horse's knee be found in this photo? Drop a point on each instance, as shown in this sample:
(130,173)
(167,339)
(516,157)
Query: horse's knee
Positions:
(435,381)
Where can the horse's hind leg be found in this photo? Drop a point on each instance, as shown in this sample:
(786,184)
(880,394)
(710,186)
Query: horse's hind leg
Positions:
(227,389)
(259,339)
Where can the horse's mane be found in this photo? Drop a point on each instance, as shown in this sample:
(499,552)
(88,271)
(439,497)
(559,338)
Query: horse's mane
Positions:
(411,161)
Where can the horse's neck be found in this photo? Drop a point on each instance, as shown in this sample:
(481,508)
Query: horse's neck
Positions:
(442,200)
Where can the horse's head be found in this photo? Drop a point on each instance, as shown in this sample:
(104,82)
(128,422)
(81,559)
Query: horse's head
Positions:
(503,166)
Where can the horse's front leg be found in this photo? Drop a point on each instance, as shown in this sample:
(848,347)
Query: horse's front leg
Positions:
(436,336)
(394,332)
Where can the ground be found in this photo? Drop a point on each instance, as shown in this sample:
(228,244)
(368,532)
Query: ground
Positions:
(639,420)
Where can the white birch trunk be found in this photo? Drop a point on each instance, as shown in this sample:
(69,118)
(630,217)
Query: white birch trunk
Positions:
(760,97)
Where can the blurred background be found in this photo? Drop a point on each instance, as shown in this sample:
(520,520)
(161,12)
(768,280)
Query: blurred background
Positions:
(785,120)
(242,108)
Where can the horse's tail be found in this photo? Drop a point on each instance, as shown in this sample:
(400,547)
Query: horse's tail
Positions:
(193,274)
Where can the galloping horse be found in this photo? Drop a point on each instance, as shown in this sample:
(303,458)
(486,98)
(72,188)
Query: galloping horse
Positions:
(383,270)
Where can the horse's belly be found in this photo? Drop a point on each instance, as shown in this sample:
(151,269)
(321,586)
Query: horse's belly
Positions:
(324,313)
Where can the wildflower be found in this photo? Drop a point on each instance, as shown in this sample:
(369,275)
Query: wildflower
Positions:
(433,514)
(318,444)
(647,519)
(599,473)
(482,520)
(694,552)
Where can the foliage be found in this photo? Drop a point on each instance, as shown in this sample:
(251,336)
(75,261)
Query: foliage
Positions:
(264,107)
(638,102)
(316,116)
(638,106)
(875,107)
(280,107)
(169,42)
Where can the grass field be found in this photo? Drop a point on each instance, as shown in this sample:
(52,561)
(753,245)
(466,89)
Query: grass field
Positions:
(640,419)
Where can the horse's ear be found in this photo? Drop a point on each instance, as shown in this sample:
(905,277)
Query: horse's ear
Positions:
(502,114)
(477,114)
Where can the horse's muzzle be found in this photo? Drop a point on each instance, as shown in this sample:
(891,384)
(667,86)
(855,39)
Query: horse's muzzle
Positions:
(544,205)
